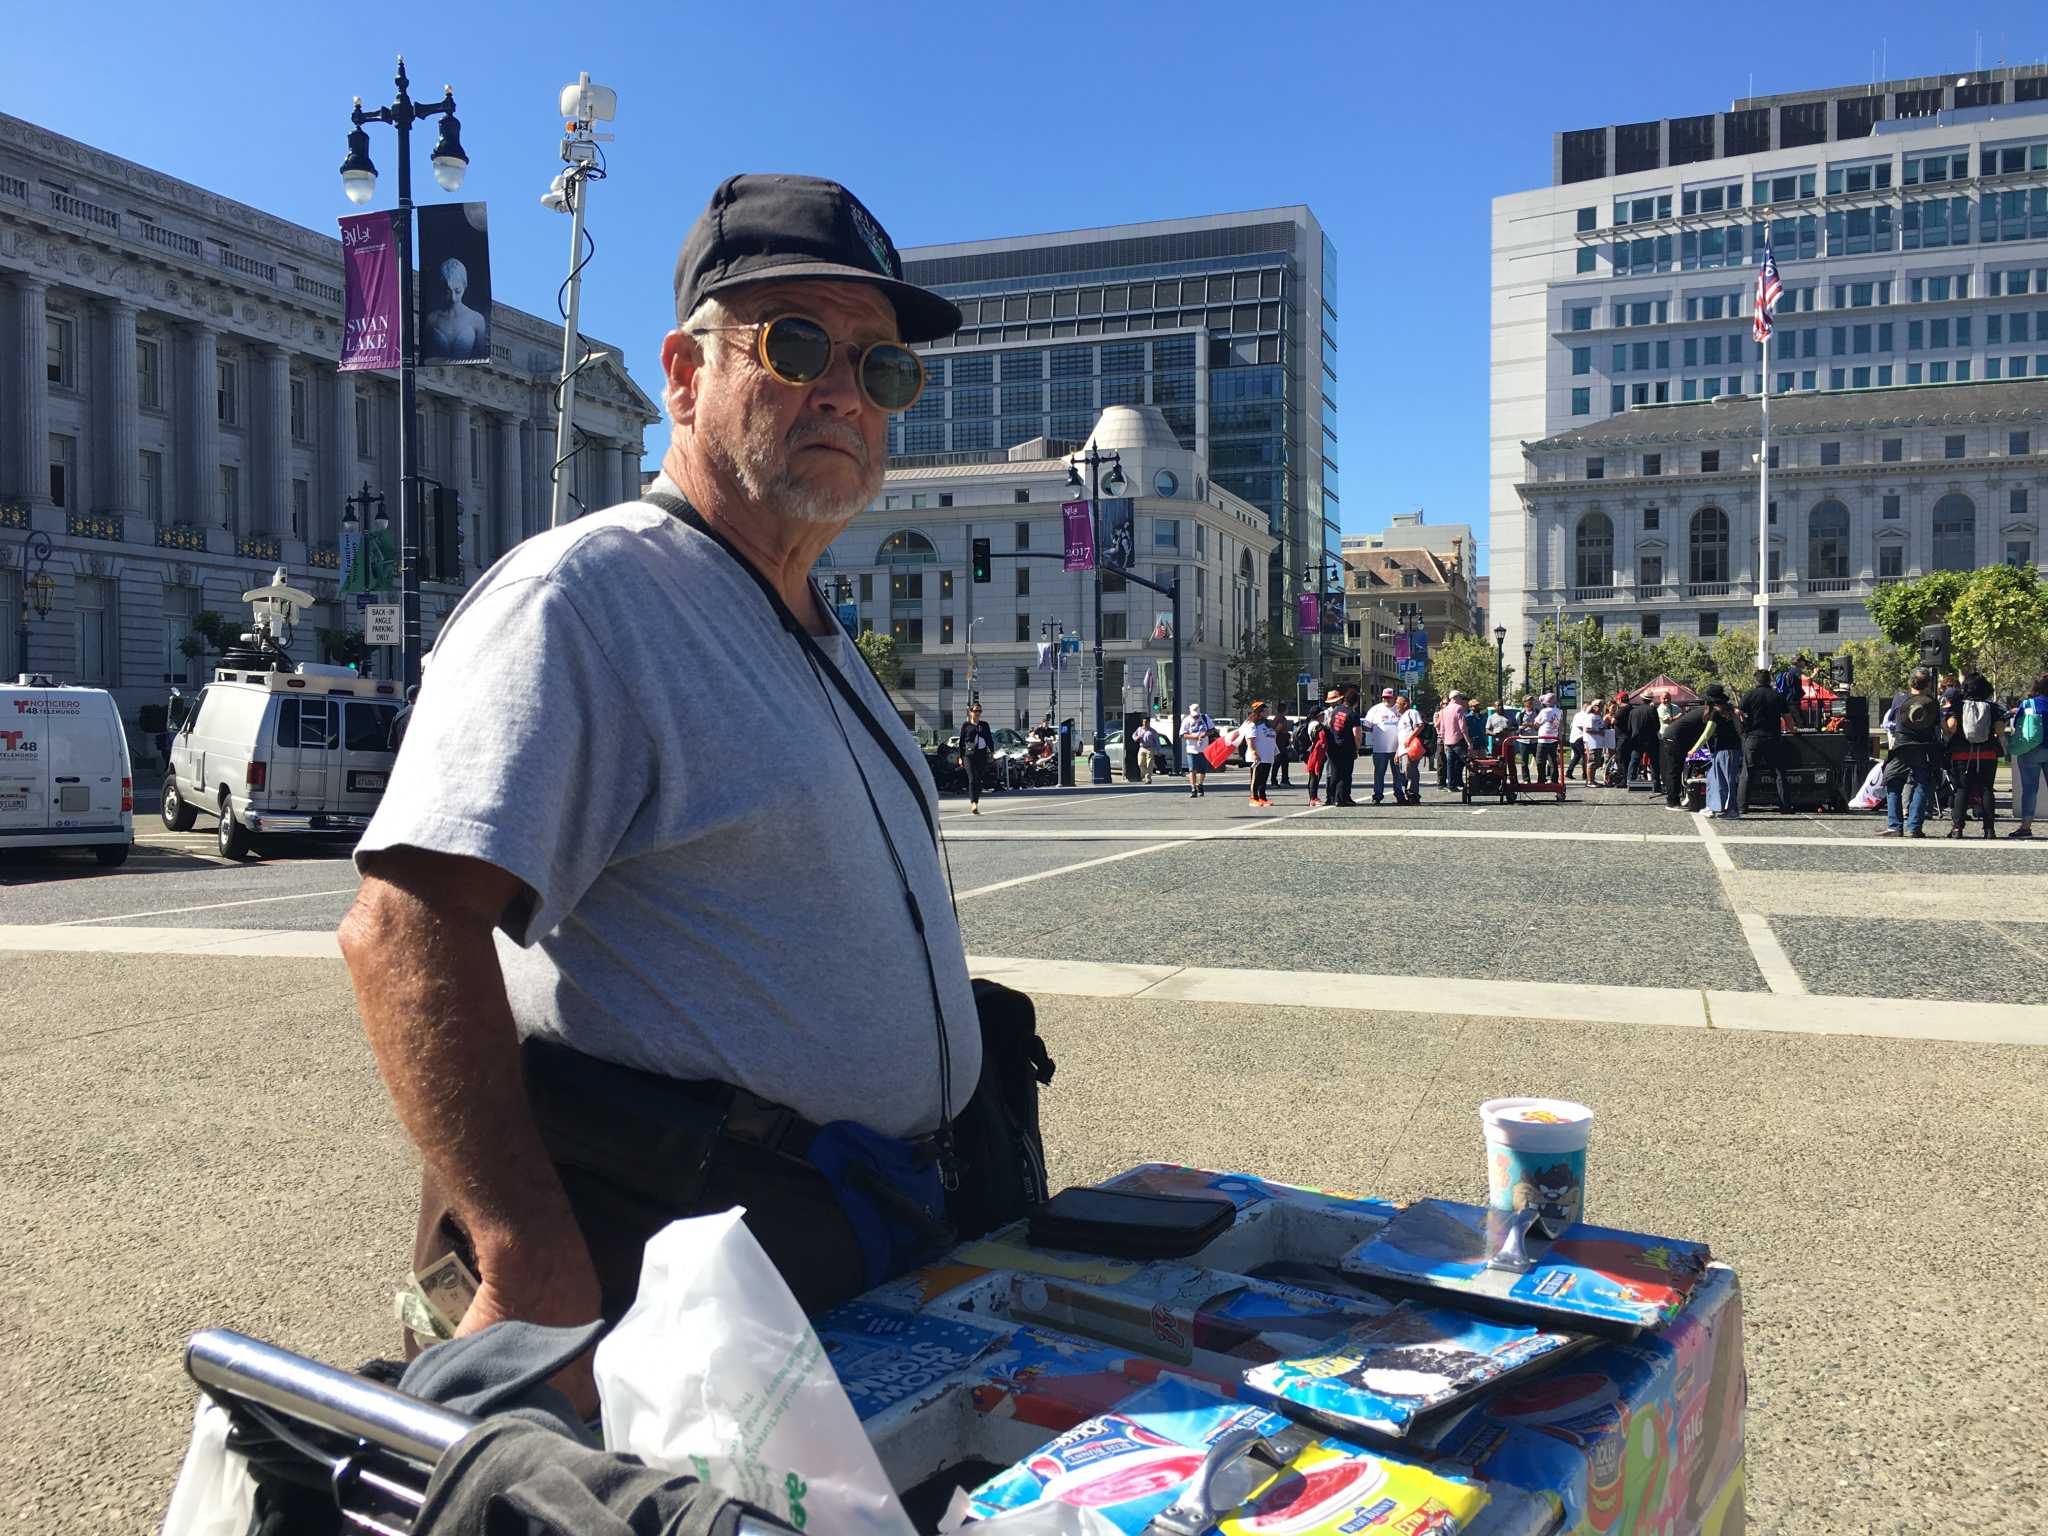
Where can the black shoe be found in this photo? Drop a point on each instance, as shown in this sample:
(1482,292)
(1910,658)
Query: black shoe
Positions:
(1916,832)
(1955,832)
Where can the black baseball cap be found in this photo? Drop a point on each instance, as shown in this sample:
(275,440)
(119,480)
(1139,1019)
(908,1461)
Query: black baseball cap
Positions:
(774,228)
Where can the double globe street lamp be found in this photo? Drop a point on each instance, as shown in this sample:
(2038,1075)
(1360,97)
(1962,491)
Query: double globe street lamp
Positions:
(1113,482)
(38,591)
(359,182)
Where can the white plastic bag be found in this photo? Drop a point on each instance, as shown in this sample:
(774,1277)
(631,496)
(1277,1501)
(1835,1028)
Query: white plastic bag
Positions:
(715,1369)
(215,1495)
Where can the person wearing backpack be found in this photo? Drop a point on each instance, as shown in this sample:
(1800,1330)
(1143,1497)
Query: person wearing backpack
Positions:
(1976,741)
(1910,762)
(2028,745)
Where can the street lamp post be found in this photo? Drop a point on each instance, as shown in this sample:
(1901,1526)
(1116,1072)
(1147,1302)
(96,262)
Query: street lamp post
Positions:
(973,682)
(1500,665)
(1319,573)
(1098,757)
(1528,663)
(1054,633)
(351,524)
(359,182)
(36,591)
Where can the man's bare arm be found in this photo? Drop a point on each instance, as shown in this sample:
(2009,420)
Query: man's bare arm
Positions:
(419,948)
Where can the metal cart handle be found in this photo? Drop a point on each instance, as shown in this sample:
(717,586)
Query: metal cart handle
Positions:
(1192,1513)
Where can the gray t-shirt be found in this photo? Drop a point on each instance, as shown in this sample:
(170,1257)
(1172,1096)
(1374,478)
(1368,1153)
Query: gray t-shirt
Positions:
(614,715)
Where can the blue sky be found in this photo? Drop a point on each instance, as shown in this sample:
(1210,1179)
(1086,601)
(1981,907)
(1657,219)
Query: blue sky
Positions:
(1397,125)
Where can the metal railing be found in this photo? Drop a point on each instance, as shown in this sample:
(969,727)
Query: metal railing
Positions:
(256,547)
(181,536)
(92,525)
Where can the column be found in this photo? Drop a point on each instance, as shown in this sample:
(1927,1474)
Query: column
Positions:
(461,424)
(274,513)
(32,478)
(510,522)
(121,459)
(202,427)
(629,471)
(341,460)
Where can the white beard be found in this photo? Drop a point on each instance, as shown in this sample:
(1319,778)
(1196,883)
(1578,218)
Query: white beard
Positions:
(762,467)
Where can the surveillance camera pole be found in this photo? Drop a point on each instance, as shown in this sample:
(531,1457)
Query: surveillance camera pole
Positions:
(580,153)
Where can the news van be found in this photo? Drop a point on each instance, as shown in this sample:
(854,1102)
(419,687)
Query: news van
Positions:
(65,777)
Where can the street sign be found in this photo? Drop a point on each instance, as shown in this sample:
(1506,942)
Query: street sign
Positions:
(849,617)
(381,624)
(1568,690)
(1303,679)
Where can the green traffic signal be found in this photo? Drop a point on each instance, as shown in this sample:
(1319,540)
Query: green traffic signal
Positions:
(981,560)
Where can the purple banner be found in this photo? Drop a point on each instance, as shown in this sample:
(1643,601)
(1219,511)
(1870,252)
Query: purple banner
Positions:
(1400,647)
(369,272)
(1307,611)
(1080,536)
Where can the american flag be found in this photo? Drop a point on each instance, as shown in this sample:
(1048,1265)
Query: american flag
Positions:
(1768,291)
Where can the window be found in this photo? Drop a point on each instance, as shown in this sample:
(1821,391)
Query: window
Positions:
(227,405)
(95,631)
(1952,446)
(1649,519)
(908,634)
(2017,443)
(1582,317)
(1831,621)
(2016,501)
(1710,461)
(906,546)
(1023,536)
(1023,626)
(1891,506)
(1582,402)
(2019,552)
(366,421)
(1593,551)
(61,360)
(299,509)
(946,638)
(1827,542)
(367,725)
(149,368)
(1892,450)
(1596,469)
(1115,626)
(945,584)
(476,457)
(1707,556)
(1166,533)
(1587,256)
(1653,463)
(153,485)
(1650,573)
(1020,496)
(906,587)
(1582,361)
(1617,397)
(1830,453)
(301,426)
(1955,533)
(1891,560)
(1023,579)
(1650,626)
(1710,624)
(1588,219)
(63,472)
(307,724)
(867,587)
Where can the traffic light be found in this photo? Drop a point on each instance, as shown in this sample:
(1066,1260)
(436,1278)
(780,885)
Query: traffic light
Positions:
(981,572)
(444,529)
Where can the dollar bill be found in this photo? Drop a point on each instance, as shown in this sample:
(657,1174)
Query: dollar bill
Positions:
(448,1288)
(417,1317)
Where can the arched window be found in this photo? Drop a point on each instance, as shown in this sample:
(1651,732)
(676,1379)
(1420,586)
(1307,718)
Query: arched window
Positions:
(824,558)
(1955,533)
(1593,551)
(1707,558)
(1827,542)
(906,546)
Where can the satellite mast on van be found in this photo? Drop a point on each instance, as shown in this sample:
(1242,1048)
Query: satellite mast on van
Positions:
(276,609)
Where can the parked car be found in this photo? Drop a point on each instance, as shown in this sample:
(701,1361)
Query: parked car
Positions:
(65,777)
(267,752)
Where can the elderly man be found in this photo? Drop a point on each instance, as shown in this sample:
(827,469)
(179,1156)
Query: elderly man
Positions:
(610,980)
(1453,741)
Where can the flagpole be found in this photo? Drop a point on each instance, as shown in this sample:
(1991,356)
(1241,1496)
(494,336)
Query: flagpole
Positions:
(1763,520)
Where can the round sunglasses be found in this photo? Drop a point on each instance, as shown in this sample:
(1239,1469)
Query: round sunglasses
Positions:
(797,351)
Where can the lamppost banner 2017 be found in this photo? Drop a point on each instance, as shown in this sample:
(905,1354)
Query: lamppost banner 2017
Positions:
(1080,535)
(369,282)
(1308,612)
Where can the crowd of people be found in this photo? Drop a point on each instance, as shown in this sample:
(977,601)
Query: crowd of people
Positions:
(1945,737)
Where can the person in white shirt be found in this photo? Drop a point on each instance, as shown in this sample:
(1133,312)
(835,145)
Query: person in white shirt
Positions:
(1407,765)
(1261,746)
(1195,730)
(1584,723)
(1383,723)
(1549,726)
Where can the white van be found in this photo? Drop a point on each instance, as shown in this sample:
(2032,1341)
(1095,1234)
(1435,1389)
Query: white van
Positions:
(305,752)
(65,778)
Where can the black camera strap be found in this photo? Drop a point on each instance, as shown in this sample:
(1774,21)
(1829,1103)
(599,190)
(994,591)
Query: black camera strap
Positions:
(823,669)
(683,512)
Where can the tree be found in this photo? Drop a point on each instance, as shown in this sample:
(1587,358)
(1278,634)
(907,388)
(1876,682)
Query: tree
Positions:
(211,632)
(879,652)
(1682,658)
(1466,663)
(1902,609)
(1881,668)
(1264,666)
(1734,659)
(1999,624)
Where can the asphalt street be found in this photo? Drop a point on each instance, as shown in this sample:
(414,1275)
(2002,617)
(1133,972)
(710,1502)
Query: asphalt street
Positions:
(201,1139)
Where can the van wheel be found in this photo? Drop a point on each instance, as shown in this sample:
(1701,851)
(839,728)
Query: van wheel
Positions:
(113,855)
(178,816)
(234,837)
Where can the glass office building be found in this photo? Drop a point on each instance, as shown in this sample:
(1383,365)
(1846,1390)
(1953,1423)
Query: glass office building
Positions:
(1227,323)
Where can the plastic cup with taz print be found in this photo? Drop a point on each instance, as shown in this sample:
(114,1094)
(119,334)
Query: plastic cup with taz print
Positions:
(1536,1159)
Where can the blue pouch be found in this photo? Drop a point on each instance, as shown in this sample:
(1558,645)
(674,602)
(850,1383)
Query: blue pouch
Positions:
(890,1193)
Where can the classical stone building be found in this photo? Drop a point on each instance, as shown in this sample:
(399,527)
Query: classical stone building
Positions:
(171,417)
(1648,519)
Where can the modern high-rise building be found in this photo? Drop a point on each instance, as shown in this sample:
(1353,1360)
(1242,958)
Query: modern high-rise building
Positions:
(1227,323)
(1909,220)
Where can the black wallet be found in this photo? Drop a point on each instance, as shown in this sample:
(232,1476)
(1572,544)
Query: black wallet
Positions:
(1127,1224)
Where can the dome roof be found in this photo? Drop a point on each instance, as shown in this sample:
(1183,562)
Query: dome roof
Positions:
(1123,428)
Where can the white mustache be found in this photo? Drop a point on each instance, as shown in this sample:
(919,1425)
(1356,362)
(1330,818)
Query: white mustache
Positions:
(845,437)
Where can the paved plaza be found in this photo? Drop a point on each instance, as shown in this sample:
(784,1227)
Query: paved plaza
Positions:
(1820,1052)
